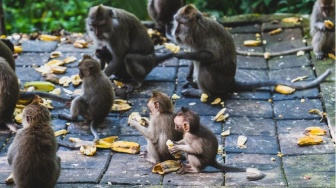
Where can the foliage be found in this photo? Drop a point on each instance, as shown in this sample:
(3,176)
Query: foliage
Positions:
(27,16)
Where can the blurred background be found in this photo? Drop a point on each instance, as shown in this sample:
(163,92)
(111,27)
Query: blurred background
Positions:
(26,16)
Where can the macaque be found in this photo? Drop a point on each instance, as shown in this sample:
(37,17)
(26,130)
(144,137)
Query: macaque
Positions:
(123,43)
(323,37)
(32,155)
(162,13)
(201,146)
(96,100)
(214,57)
(160,129)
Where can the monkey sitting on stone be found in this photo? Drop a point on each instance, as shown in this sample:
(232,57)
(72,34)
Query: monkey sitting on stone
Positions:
(201,146)
(32,155)
(160,129)
(123,43)
(323,35)
(96,100)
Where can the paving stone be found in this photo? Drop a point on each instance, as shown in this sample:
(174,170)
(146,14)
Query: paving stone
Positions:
(298,94)
(78,55)
(76,160)
(248,62)
(182,73)
(272,170)
(199,107)
(30,59)
(250,126)
(58,124)
(328,91)
(239,42)
(310,170)
(250,28)
(70,48)
(169,63)
(268,26)
(295,109)
(258,94)
(126,129)
(148,87)
(254,145)
(288,61)
(285,35)
(80,175)
(184,63)
(284,45)
(4,164)
(27,74)
(4,175)
(38,46)
(290,131)
(162,74)
(289,74)
(244,75)
(197,179)
(128,169)
(248,108)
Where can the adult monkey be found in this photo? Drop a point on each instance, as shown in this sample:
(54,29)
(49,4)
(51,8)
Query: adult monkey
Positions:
(123,41)
(214,56)
(162,13)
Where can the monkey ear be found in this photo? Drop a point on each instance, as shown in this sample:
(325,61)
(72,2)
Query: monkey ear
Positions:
(111,13)
(186,127)
(198,15)
(28,119)
(157,105)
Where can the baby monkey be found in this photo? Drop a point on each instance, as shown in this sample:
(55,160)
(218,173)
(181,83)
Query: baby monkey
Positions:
(95,102)
(32,155)
(160,129)
(201,145)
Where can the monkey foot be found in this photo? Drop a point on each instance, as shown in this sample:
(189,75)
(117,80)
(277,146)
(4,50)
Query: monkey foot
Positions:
(192,84)
(191,92)
(320,57)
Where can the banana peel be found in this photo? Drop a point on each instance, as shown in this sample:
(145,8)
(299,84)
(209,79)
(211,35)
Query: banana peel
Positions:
(216,101)
(60,132)
(40,85)
(69,59)
(18,49)
(126,147)
(106,143)
(221,116)
(284,89)
(315,131)
(310,140)
(172,47)
(55,54)
(76,80)
(204,97)
(118,83)
(10,179)
(49,37)
(276,31)
(241,141)
(328,24)
(81,44)
(120,105)
(88,150)
(58,69)
(65,81)
(166,167)
(252,43)
(291,20)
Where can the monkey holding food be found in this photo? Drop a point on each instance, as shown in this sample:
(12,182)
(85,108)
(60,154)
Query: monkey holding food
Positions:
(201,146)
(160,129)
(214,57)
(32,155)
(96,100)
(123,43)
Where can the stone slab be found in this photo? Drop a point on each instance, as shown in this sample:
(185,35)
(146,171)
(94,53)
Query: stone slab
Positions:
(196,179)
(267,26)
(250,126)
(248,28)
(298,94)
(27,74)
(254,145)
(249,108)
(272,169)
(288,61)
(80,175)
(31,59)
(284,45)
(285,35)
(70,48)
(322,65)
(145,91)
(295,109)
(291,73)
(162,74)
(38,46)
(248,62)
(258,94)
(199,107)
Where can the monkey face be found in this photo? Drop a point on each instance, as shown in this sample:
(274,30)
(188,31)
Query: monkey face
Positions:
(179,123)
(327,7)
(153,108)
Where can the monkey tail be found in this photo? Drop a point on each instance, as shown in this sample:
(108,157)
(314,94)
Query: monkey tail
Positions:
(272,54)
(252,173)
(160,57)
(31,95)
(248,86)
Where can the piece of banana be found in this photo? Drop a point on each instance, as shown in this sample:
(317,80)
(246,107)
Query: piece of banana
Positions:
(241,141)
(276,31)
(175,96)
(221,112)
(40,85)
(125,147)
(65,81)
(252,43)
(170,144)
(172,47)
(120,105)
(56,91)
(204,97)
(328,24)
(81,44)
(166,167)
(49,38)
(69,59)
(315,131)
(18,49)
(60,132)
(106,142)
(309,140)
(216,101)
(76,80)
(284,89)
(118,83)
(89,149)
(58,69)
(55,54)
(291,20)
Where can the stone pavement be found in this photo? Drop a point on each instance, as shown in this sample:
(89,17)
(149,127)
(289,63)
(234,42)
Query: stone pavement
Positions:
(271,126)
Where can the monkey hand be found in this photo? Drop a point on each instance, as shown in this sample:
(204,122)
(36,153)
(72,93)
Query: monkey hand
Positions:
(134,123)
(174,149)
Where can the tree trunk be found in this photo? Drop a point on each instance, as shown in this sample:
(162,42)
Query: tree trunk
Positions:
(2,20)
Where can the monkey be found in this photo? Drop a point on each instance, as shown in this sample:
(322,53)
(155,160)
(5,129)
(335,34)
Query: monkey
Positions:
(201,146)
(131,51)
(323,37)
(95,102)
(214,57)
(160,129)
(32,154)
(162,13)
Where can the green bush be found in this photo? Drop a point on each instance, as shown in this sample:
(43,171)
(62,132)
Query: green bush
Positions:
(27,16)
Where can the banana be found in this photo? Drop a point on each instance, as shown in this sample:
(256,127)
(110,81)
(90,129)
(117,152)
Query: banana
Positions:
(291,20)
(55,54)
(18,49)
(227,132)
(298,78)
(222,117)
(332,56)
(204,97)
(49,38)
(58,69)
(126,147)
(276,31)
(315,131)
(76,80)
(167,166)
(170,144)
(69,59)
(54,62)
(106,142)
(60,132)
(81,43)
(175,96)
(40,85)
(89,149)
(44,69)
(10,179)
(241,141)
(172,47)
(65,81)
(284,89)
(18,118)
(120,105)
(309,140)
(216,101)
(252,43)
(118,83)
(56,91)
(221,112)
(328,24)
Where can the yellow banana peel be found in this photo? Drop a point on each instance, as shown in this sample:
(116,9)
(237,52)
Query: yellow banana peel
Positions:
(328,24)
(49,38)
(58,69)
(55,54)
(284,89)
(89,149)
(126,147)
(204,97)
(172,47)
(291,20)
(76,80)
(120,105)
(276,31)
(69,59)
(60,132)
(166,167)
(118,83)
(40,85)
(315,131)
(252,43)
(309,140)
(106,142)
(216,101)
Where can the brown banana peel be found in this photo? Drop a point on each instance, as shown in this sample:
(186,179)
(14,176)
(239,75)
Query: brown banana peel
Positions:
(126,147)
(167,166)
